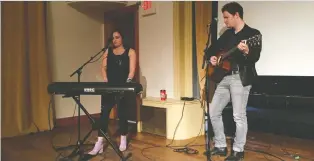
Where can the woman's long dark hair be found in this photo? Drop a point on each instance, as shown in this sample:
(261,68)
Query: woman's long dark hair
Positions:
(125,41)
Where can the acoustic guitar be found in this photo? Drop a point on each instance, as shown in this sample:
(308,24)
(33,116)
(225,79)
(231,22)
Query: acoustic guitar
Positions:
(223,66)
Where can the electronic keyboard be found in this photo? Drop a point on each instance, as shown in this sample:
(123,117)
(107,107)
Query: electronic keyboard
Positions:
(92,88)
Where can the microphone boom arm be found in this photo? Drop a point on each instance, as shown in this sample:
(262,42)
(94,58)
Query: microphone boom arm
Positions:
(79,70)
(207,46)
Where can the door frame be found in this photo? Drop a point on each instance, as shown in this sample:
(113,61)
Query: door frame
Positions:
(111,15)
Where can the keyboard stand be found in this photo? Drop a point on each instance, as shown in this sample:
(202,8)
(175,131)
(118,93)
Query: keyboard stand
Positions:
(78,146)
(94,126)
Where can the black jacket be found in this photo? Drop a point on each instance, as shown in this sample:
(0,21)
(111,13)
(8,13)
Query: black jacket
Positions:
(246,63)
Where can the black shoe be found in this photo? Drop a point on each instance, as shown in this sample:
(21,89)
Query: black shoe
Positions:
(235,156)
(219,151)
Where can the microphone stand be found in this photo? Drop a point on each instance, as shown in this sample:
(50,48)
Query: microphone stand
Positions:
(206,114)
(77,150)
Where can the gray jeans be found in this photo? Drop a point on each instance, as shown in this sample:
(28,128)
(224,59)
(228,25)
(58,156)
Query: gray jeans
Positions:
(230,86)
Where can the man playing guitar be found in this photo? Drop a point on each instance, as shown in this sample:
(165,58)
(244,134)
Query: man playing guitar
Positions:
(235,84)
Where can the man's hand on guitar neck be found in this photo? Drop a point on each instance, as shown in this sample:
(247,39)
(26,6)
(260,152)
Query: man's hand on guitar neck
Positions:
(242,46)
(213,60)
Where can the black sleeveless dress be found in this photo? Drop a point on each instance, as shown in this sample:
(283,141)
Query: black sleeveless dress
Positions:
(118,67)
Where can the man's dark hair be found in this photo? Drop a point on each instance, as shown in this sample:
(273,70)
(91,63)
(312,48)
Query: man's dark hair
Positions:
(233,8)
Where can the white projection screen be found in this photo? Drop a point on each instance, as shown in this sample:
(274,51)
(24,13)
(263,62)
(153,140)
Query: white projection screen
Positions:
(288,35)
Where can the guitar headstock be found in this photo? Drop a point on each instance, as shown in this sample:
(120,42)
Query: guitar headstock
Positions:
(255,40)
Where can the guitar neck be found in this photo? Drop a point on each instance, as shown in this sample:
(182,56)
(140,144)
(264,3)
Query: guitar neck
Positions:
(229,52)
(252,41)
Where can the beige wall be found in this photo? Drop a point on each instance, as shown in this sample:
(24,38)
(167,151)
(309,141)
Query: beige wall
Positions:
(0,64)
(156,50)
(73,39)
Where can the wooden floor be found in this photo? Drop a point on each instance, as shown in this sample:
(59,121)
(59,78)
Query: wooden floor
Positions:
(38,147)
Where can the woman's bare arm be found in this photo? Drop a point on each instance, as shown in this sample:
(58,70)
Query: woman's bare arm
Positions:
(104,66)
(132,56)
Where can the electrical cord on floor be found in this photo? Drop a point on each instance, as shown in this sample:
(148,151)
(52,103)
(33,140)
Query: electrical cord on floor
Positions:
(168,145)
(246,148)
(70,139)
(189,151)
(263,152)
(175,131)
(258,151)
(185,148)
(52,138)
(293,155)
(50,107)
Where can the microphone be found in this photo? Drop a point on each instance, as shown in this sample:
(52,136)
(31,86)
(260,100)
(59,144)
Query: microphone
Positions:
(109,41)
